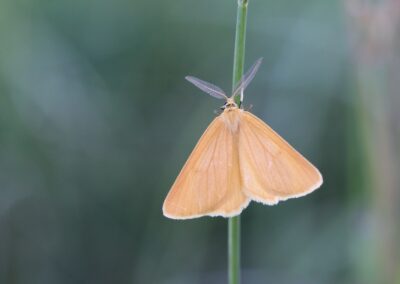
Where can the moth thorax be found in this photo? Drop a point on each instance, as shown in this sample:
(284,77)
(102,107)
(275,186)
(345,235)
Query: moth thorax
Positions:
(231,118)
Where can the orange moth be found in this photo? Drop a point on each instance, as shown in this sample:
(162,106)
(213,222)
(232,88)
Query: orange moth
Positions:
(239,158)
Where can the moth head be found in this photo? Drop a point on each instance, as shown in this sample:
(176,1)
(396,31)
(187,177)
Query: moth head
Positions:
(229,104)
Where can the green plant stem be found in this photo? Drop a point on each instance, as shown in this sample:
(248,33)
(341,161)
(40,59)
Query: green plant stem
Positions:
(234,250)
(240,39)
(238,64)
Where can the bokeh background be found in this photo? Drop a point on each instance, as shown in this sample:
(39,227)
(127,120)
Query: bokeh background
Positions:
(96,121)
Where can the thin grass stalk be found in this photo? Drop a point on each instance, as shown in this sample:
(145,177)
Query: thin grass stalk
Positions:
(238,64)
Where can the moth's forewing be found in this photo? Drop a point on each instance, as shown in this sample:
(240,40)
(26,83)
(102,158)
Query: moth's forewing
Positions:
(271,169)
(210,181)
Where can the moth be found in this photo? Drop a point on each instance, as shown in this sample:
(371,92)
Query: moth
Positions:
(238,158)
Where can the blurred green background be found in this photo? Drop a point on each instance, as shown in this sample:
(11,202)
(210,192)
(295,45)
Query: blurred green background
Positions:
(96,121)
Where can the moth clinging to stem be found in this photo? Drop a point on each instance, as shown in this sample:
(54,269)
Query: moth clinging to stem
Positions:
(238,158)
